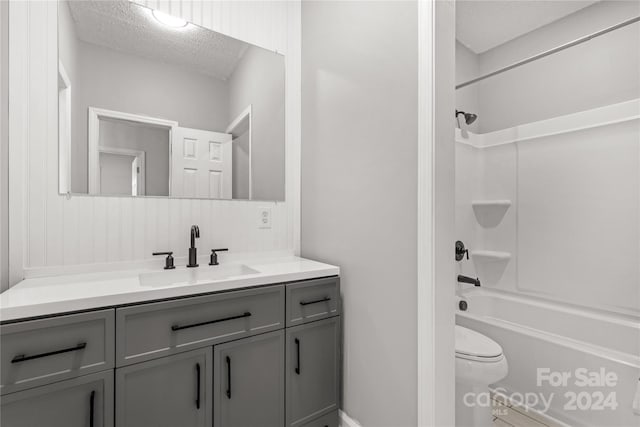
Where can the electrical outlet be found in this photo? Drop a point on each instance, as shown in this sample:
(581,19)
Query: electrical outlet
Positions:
(264,217)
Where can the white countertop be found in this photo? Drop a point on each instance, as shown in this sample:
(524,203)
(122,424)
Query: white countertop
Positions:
(60,294)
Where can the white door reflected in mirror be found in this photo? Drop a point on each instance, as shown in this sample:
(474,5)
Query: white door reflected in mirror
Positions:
(201,164)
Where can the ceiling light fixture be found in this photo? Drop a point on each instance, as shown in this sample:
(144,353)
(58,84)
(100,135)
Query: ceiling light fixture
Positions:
(168,20)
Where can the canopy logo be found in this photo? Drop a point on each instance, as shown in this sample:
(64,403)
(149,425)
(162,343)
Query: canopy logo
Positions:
(582,396)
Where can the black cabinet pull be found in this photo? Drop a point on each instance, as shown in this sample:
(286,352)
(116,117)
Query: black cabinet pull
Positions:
(92,399)
(197,386)
(193,325)
(325,299)
(228,377)
(22,358)
(298,356)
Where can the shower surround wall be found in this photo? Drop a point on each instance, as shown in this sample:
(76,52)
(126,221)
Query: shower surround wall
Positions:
(572,230)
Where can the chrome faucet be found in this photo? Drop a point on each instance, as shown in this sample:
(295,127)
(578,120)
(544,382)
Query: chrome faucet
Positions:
(193,251)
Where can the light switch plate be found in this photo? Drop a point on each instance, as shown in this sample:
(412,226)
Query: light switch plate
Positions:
(264,217)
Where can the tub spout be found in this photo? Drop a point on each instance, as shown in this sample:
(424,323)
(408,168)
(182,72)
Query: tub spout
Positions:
(470,280)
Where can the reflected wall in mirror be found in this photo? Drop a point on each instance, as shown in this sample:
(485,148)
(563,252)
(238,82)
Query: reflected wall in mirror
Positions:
(151,105)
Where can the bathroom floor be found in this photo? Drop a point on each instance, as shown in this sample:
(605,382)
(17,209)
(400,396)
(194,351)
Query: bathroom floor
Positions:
(508,415)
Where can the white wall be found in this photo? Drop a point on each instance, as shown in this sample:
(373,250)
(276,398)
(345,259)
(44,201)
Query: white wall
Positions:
(467,68)
(115,174)
(67,41)
(258,80)
(4,146)
(68,50)
(154,141)
(240,178)
(600,72)
(50,233)
(359,181)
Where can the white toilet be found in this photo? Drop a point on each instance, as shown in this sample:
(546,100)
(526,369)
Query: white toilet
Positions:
(479,362)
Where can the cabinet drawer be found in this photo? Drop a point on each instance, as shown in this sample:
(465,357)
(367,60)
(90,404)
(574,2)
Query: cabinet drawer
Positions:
(39,352)
(312,300)
(328,420)
(154,330)
(78,402)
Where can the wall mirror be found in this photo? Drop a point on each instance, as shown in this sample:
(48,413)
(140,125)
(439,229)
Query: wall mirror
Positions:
(152,105)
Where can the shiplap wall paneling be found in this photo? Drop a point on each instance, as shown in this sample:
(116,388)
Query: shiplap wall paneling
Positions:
(50,232)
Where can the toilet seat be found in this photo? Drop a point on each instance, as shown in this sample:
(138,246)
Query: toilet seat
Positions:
(471,345)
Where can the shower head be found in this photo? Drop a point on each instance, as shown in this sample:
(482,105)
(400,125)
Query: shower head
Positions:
(468,117)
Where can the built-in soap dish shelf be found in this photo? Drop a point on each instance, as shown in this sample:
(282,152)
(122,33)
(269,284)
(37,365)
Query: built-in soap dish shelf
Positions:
(490,256)
(497,204)
(489,213)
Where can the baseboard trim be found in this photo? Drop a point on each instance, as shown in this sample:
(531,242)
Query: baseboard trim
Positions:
(347,421)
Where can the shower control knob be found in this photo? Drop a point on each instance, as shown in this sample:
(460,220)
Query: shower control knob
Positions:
(461,251)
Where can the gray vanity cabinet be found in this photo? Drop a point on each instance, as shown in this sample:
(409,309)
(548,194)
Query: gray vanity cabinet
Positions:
(267,356)
(86,401)
(312,370)
(249,382)
(166,392)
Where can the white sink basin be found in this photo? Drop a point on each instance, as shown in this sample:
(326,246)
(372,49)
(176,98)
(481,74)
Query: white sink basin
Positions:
(194,276)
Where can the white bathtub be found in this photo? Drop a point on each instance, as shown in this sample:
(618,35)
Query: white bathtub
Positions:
(540,334)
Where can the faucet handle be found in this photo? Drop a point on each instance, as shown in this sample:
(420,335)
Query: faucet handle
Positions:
(461,251)
(214,255)
(168,262)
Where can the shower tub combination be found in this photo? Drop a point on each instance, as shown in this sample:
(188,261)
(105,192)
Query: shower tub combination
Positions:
(586,362)
(559,295)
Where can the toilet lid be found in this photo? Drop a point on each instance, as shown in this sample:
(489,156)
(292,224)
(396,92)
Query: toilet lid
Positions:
(475,346)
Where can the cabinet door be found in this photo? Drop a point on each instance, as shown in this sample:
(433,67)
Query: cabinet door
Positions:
(313,355)
(173,391)
(80,402)
(249,382)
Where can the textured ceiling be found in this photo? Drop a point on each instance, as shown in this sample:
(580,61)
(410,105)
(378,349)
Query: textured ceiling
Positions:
(129,28)
(484,24)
